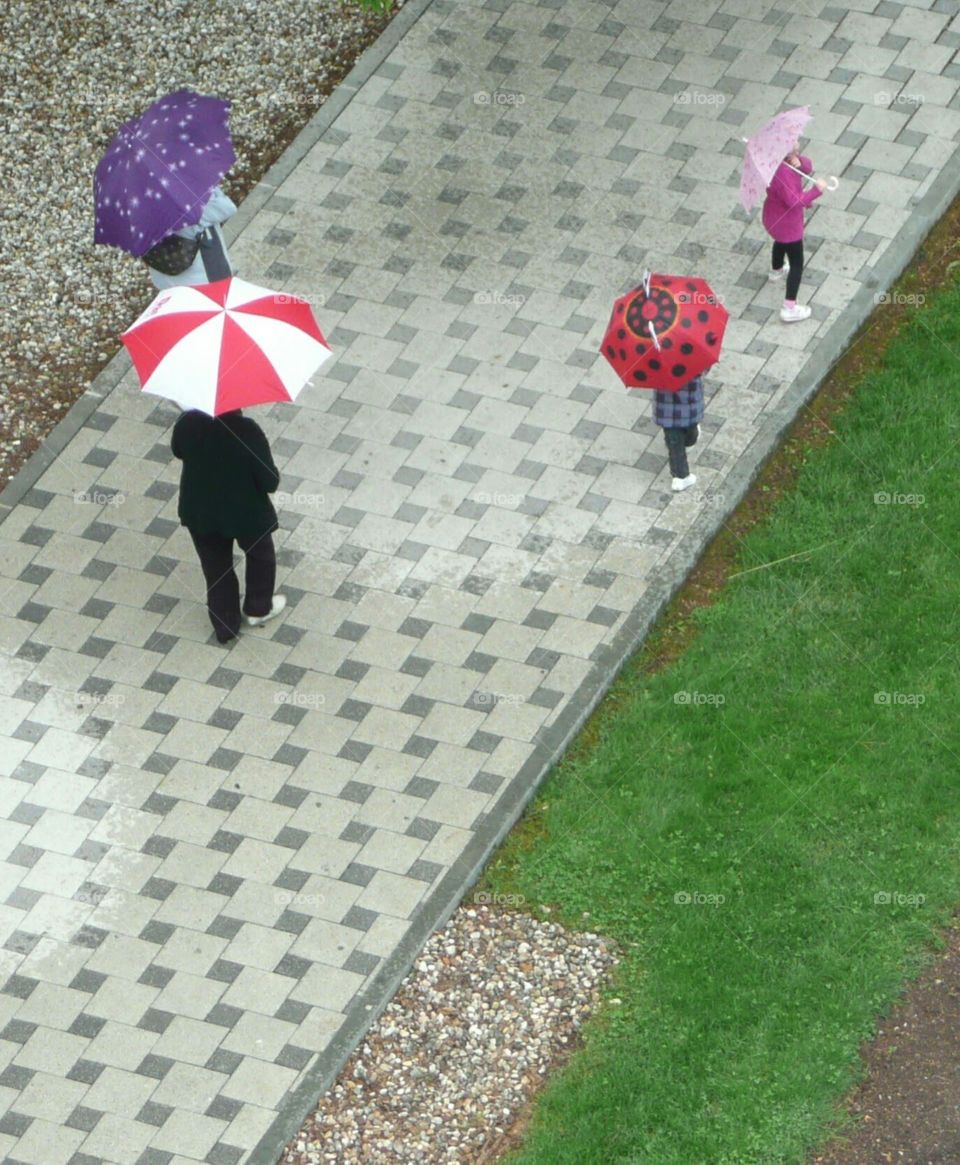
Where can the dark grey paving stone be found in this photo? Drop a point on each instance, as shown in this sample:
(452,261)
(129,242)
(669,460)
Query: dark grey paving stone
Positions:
(15,1124)
(355,750)
(88,1026)
(486,783)
(157,932)
(224,841)
(422,828)
(223,1108)
(154,976)
(155,1020)
(225,927)
(355,831)
(86,1071)
(420,746)
(292,922)
(358,874)
(158,846)
(223,1015)
(361,963)
(19,986)
(417,706)
(424,871)
(355,791)
(17,1031)
(156,1067)
(159,762)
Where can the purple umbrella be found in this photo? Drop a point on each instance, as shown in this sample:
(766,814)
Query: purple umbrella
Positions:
(159,170)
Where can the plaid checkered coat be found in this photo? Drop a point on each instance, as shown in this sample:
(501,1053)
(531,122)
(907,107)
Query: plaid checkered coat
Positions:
(680,409)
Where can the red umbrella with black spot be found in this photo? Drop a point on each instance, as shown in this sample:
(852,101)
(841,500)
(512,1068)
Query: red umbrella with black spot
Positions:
(665,332)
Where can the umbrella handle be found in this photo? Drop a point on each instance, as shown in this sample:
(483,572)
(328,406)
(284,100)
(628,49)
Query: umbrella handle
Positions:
(832,181)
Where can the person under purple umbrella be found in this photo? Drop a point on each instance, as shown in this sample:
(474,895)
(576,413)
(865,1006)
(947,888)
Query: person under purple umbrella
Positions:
(161,173)
(195,254)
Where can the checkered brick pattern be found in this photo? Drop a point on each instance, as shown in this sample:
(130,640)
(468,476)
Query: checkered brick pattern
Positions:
(206,854)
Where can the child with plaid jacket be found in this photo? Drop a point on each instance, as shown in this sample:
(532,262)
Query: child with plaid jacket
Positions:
(679,414)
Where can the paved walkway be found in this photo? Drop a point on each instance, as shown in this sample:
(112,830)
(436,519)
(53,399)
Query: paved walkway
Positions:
(218,863)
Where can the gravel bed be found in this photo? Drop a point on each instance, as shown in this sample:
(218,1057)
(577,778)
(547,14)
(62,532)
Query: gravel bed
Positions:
(447,1072)
(71,72)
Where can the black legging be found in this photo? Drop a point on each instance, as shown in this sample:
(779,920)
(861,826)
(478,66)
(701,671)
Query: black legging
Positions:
(793,252)
(215,552)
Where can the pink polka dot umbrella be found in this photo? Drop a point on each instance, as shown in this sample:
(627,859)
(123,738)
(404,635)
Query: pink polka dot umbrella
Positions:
(766,150)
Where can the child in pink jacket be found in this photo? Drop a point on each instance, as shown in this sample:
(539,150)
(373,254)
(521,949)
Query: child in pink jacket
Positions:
(783,219)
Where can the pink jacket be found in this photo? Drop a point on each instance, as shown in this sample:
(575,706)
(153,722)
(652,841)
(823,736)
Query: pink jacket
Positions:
(785,202)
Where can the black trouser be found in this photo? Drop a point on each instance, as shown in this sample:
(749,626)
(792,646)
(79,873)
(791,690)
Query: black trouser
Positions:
(223,590)
(678,442)
(794,252)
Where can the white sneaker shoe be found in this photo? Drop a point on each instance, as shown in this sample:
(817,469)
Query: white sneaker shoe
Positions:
(682,483)
(279,602)
(792,315)
(775,275)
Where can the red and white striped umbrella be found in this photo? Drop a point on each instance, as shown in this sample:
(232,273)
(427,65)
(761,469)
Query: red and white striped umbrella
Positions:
(226,345)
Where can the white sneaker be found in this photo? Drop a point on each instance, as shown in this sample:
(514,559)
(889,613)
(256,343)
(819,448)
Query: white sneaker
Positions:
(775,275)
(279,602)
(682,483)
(792,315)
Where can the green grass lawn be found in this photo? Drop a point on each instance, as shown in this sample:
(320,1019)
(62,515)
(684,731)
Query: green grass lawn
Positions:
(783,800)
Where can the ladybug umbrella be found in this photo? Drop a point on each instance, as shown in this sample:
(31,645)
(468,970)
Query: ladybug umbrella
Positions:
(665,332)
(225,345)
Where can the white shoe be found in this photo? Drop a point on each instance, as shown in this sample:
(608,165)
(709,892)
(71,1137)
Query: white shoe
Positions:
(792,315)
(682,483)
(279,602)
(775,275)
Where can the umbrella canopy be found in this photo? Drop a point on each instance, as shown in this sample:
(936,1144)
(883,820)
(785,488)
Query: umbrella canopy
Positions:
(226,345)
(159,169)
(766,150)
(665,332)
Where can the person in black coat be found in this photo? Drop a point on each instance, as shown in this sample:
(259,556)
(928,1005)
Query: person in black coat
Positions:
(225,485)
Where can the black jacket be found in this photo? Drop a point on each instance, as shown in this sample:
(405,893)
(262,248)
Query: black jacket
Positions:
(227,477)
